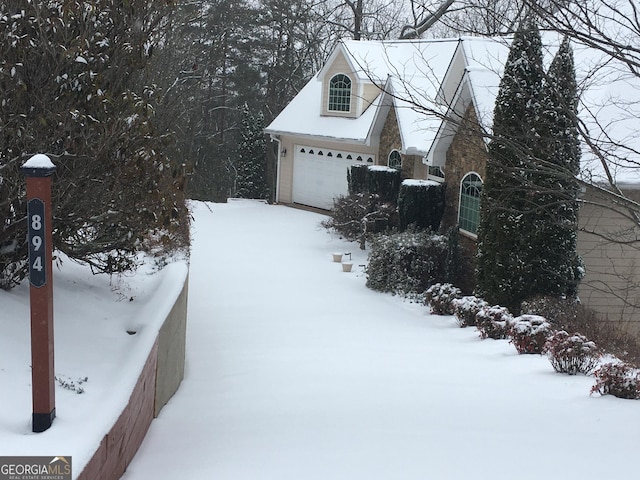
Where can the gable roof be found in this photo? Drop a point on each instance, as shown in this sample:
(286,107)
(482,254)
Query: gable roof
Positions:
(432,82)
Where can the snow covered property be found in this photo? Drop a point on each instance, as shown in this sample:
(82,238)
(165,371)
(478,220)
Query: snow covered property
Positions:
(426,106)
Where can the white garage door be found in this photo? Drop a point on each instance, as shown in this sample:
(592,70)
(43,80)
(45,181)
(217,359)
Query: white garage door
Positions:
(320,175)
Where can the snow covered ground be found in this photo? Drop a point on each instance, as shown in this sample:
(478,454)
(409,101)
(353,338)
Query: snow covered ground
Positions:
(295,370)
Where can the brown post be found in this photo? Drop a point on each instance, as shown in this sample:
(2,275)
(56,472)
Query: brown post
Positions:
(38,171)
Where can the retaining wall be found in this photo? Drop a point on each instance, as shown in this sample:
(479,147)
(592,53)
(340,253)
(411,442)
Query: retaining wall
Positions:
(160,378)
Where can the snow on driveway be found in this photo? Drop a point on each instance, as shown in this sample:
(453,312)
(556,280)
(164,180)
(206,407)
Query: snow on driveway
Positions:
(295,370)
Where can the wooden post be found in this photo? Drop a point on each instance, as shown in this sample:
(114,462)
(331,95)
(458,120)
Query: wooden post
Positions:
(38,171)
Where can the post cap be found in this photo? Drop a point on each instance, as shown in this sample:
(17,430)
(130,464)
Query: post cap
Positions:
(39,165)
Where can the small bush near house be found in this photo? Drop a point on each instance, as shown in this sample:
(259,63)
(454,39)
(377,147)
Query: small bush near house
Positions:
(572,354)
(466,308)
(358,179)
(494,322)
(385,182)
(421,203)
(570,315)
(529,333)
(441,297)
(357,216)
(619,379)
(406,263)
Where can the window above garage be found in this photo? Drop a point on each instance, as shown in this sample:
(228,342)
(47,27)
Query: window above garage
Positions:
(339,93)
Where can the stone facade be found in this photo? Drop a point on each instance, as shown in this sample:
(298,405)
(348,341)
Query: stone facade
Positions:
(467,153)
(412,166)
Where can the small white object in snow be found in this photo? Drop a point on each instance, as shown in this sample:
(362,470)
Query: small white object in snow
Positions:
(81,59)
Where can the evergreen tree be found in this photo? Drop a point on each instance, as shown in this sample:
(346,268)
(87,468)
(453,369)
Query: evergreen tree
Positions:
(251,181)
(556,266)
(503,271)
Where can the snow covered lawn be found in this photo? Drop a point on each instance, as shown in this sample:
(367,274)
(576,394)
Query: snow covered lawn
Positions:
(295,370)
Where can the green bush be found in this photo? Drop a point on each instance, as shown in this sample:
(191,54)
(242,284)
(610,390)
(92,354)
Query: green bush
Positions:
(421,203)
(406,263)
(385,182)
(358,179)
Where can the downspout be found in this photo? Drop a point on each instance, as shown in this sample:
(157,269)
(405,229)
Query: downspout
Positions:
(274,138)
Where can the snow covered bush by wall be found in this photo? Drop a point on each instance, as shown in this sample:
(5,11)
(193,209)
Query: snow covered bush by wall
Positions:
(466,308)
(529,333)
(406,263)
(357,178)
(421,203)
(440,297)
(619,379)
(384,181)
(494,322)
(572,354)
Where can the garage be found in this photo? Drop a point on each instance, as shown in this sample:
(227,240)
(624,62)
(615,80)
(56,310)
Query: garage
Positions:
(320,175)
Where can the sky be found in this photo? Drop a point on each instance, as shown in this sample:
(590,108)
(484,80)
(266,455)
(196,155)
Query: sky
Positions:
(295,370)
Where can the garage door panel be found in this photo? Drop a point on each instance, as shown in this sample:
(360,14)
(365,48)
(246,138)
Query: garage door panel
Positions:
(318,179)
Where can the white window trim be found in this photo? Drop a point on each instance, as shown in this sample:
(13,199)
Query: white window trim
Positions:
(462,230)
(329,94)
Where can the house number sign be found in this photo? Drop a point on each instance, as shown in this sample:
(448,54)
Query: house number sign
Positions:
(37,243)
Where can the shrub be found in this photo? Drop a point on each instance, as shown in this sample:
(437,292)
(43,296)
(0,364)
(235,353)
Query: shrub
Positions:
(421,203)
(358,179)
(619,379)
(385,182)
(406,263)
(494,322)
(357,216)
(529,333)
(572,353)
(441,297)
(466,308)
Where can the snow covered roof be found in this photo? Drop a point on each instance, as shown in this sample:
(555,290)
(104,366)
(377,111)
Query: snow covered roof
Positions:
(429,81)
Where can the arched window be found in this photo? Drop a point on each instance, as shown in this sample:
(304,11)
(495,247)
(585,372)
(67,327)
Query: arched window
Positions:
(469,213)
(395,160)
(340,93)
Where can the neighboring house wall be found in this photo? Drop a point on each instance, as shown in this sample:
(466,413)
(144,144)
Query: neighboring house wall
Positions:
(611,285)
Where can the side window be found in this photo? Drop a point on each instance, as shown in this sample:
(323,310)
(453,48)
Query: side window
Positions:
(469,210)
(340,93)
(395,160)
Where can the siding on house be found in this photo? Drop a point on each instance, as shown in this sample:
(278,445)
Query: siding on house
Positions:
(611,285)
(285,187)
(340,65)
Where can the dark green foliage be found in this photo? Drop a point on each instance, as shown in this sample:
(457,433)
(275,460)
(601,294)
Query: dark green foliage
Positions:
(385,182)
(421,204)
(72,87)
(252,157)
(528,218)
(406,263)
(358,178)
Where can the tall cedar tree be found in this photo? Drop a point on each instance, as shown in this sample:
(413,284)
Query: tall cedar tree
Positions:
(70,87)
(556,266)
(504,271)
(252,161)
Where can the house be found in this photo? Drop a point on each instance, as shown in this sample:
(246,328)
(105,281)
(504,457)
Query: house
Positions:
(425,106)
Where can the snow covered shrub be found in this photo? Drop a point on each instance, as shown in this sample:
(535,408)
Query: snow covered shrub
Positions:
(356,216)
(529,333)
(572,354)
(619,379)
(406,263)
(421,203)
(385,182)
(466,308)
(494,322)
(357,178)
(440,297)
